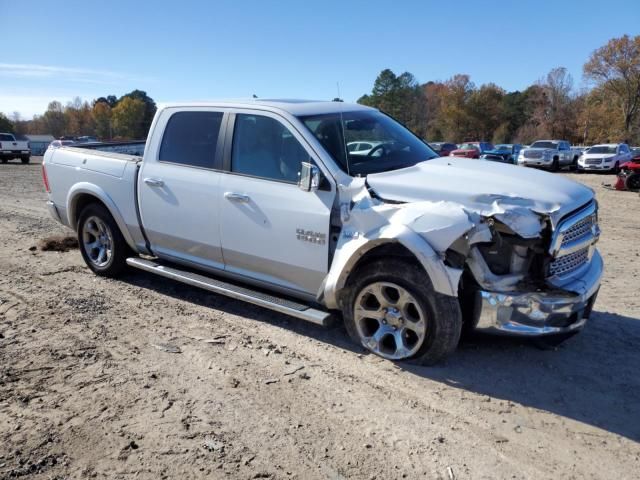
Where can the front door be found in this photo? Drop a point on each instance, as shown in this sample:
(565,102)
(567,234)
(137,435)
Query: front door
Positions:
(179,188)
(271,230)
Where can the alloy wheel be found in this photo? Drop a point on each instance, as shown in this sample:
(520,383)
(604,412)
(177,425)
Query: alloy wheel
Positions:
(389,320)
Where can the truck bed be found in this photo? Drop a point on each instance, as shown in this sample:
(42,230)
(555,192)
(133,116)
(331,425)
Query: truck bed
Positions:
(109,176)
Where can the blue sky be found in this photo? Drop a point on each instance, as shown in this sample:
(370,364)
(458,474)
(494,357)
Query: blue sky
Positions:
(198,50)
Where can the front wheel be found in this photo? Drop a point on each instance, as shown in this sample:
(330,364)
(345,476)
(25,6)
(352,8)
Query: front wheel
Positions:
(102,245)
(392,310)
(616,168)
(555,165)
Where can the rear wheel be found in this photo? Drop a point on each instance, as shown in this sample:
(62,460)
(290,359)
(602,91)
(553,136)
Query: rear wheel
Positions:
(392,310)
(102,245)
(25,160)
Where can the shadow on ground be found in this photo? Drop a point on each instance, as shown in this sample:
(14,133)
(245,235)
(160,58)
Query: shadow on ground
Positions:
(592,378)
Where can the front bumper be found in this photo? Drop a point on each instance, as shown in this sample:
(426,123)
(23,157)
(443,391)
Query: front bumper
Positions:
(598,167)
(540,313)
(535,162)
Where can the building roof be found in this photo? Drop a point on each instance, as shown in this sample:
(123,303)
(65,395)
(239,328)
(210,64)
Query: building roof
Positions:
(292,106)
(39,138)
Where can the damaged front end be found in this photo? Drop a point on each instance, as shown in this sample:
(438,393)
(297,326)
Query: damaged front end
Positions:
(517,267)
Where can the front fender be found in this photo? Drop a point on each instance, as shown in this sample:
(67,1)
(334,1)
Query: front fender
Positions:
(86,188)
(352,246)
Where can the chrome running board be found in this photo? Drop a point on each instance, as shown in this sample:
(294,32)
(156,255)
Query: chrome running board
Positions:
(282,305)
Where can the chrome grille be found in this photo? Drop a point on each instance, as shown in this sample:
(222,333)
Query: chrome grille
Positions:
(593,161)
(532,154)
(578,230)
(570,262)
(572,242)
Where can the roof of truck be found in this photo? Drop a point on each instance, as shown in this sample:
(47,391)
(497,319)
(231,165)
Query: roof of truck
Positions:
(292,106)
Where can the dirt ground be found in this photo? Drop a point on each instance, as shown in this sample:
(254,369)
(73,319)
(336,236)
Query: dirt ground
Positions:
(146,378)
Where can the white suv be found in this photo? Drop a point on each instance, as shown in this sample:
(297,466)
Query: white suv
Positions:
(607,156)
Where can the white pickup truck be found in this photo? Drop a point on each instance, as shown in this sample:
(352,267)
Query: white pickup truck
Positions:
(262,201)
(12,148)
(549,154)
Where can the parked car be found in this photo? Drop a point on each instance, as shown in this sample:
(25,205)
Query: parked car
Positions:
(605,157)
(471,149)
(549,154)
(86,139)
(443,149)
(12,148)
(629,175)
(61,143)
(362,148)
(262,201)
(504,153)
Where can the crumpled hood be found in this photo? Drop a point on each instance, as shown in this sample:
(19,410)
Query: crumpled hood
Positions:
(482,186)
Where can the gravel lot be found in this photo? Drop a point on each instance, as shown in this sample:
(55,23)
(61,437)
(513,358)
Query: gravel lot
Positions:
(91,385)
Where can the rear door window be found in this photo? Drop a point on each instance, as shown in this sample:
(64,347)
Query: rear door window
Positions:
(191,138)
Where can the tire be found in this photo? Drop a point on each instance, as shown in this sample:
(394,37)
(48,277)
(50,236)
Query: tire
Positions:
(4,160)
(25,160)
(97,230)
(574,164)
(426,323)
(632,182)
(555,165)
(616,168)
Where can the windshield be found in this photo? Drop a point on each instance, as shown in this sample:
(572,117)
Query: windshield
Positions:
(469,146)
(503,147)
(383,144)
(552,145)
(602,149)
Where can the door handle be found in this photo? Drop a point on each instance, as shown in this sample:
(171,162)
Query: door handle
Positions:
(237,197)
(154,182)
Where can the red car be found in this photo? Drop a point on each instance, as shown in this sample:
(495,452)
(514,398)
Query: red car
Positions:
(629,176)
(471,149)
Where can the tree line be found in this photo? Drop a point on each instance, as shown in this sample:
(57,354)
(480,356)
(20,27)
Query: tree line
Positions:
(108,118)
(457,110)
(453,110)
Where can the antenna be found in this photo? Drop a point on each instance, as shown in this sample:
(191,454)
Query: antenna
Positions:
(344,139)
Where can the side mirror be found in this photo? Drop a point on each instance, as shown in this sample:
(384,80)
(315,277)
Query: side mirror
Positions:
(309,180)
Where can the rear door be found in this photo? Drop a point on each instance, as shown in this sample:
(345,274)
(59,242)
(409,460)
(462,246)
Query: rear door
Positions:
(179,186)
(271,230)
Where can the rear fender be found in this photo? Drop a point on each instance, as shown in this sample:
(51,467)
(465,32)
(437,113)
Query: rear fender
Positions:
(86,188)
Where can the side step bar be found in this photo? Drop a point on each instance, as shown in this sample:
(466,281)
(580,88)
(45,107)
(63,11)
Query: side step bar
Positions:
(282,305)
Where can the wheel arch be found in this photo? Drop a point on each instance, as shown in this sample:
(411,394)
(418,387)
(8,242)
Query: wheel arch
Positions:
(84,194)
(355,253)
